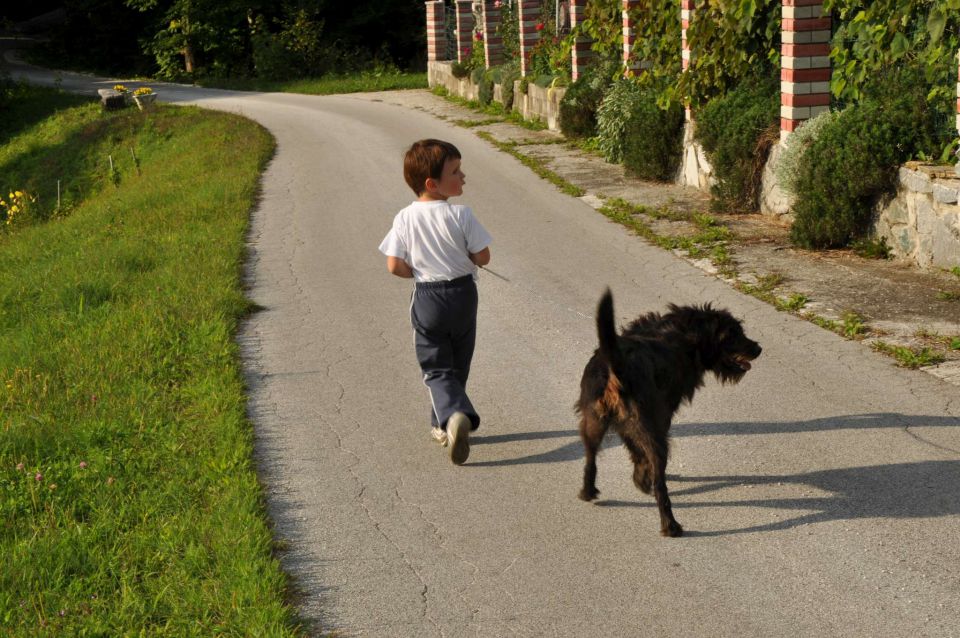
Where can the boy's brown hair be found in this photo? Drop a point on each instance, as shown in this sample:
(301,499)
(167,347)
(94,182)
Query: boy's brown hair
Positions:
(426,159)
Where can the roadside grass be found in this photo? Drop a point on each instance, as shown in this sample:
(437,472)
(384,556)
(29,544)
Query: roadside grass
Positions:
(129,503)
(330,85)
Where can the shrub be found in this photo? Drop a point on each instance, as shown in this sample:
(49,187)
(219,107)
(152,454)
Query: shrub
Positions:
(485,88)
(509,73)
(459,70)
(734,131)
(653,138)
(788,165)
(854,160)
(578,108)
(612,116)
(632,129)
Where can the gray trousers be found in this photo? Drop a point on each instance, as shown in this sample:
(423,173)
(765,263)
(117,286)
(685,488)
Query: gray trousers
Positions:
(444,318)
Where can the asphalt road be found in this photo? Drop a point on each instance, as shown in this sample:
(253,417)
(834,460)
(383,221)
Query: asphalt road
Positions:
(821,496)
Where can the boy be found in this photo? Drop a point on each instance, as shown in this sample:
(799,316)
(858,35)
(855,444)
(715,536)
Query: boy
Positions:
(440,245)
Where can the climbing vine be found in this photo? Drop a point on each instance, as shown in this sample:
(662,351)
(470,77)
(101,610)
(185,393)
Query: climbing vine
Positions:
(730,40)
(874,35)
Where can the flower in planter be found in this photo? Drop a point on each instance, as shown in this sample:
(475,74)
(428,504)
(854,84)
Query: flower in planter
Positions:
(119,88)
(143,90)
(540,26)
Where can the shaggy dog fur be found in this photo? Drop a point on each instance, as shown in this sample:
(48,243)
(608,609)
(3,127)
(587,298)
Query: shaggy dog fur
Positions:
(635,382)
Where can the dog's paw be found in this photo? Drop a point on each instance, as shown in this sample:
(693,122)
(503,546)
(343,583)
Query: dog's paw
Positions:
(672,530)
(588,494)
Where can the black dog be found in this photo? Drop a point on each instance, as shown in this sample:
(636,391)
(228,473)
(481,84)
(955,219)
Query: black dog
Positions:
(635,383)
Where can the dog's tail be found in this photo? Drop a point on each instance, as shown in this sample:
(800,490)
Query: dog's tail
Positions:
(609,351)
(607,331)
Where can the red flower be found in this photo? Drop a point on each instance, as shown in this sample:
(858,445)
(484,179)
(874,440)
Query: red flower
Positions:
(478,36)
(540,26)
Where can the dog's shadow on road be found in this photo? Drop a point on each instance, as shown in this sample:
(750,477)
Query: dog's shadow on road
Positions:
(927,489)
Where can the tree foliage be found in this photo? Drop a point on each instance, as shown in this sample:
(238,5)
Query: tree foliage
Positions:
(184,38)
(874,35)
(730,40)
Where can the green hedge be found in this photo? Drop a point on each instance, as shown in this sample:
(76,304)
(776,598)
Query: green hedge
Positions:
(854,159)
(736,132)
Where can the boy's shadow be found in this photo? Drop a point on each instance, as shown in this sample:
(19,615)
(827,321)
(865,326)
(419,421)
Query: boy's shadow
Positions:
(926,489)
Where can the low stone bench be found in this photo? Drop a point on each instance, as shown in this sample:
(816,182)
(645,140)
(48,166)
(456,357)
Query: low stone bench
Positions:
(112,99)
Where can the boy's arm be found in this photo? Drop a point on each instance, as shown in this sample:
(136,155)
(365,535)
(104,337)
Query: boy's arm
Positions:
(399,267)
(481,258)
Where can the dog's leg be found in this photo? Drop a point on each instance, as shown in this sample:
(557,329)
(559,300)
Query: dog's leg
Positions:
(668,524)
(591,432)
(641,466)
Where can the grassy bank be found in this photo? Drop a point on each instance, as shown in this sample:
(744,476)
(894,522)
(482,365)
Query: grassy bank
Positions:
(331,85)
(129,504)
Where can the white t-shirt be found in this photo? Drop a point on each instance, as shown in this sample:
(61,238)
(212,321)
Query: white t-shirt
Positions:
(436,238)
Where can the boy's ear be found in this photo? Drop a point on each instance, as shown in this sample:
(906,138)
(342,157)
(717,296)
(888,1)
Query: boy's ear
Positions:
(430,185)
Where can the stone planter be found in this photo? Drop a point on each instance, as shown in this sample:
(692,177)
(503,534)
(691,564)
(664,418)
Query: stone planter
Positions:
(146,101)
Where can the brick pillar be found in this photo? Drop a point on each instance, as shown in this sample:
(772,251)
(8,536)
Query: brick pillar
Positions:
(436,31)
(529,16)
(581,52)
(492,42)
(805,63)
(631,65)
(465,24)
(686,15)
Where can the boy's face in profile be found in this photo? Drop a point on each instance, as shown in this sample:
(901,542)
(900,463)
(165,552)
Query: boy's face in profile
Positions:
(450,183)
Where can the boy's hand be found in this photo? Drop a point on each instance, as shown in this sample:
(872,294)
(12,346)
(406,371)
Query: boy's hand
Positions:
(481,258)
(399,267)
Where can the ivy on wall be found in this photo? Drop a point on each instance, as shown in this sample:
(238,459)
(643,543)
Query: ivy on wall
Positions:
(658,38)
(873,35)
(730,40)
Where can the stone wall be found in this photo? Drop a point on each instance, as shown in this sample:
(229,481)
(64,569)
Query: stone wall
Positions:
(538,103)
(695,169)
(922,222)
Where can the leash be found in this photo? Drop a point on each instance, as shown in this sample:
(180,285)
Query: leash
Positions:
(484,268)
(535,294)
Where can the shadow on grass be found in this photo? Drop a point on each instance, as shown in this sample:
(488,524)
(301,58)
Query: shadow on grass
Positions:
(29,105)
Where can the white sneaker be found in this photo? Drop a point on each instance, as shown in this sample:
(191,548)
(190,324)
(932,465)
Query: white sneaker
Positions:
(439,436)
(458,435)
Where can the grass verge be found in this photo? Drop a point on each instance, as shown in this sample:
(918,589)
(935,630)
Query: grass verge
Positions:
(129,503)
(333,85)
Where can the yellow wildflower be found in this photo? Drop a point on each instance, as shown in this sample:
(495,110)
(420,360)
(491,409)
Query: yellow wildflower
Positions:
(19,193)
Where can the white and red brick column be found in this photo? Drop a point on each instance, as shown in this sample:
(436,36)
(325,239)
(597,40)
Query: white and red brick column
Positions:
(529,18)
(804,63)
(686,15)
(631,65)
(492,42)
(465,24)
(436,31)
(581,53)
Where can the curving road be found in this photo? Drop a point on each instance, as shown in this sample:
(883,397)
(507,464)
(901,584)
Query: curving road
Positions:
(821,496)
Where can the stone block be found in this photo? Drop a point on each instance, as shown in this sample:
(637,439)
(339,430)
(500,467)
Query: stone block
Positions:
(945,193)
(917,181)
(945,241)
(896,212)
(111,99)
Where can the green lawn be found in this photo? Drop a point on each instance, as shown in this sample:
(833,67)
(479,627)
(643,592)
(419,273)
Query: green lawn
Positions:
(358,83)
(129,503)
